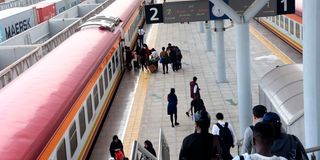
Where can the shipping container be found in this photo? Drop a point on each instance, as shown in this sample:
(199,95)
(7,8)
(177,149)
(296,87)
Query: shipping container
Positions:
(61,5)
(16,20)
(45,11)
(72,3)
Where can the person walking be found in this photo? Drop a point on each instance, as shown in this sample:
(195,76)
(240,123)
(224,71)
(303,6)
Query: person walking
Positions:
(285,145)
(226,134)
(201,145)
(195,106)
(116,147)
(258,111)
(164,60)
(263,135)
(143,58)
(149,147)
(141,33)
(128,58)
(172,106)
(194,88)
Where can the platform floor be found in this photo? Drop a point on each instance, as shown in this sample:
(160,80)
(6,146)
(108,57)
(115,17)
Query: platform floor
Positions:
(140,106)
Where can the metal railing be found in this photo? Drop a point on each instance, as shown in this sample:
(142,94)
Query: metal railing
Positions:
(312,150)
(18,67)
(139,151)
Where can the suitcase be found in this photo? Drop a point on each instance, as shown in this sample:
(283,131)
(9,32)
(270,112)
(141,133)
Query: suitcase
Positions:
(152,68)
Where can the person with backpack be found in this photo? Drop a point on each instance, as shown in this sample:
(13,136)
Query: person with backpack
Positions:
(285,145)
(164,60)
(258,111)
(226,135)
(194,88)
(263,135)
(201,145)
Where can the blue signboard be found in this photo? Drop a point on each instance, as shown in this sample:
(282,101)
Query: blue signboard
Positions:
(215,12)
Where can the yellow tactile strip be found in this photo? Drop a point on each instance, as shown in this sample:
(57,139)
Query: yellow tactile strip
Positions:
(133,127)
(274,50)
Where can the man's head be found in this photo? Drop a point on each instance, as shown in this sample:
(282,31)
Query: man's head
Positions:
(195,78)
(169,44)
(163,48)
(263,135)
(258,111)
(202,120)
(274,120)
(219,116)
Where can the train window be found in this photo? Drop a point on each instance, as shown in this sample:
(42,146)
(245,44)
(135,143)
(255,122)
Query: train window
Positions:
(298,30)
(281,21)
(95,96)
(101,87)
(110,71)
(273,19)
(113,64)
(301,32)
(82,122)
(277,20)
(286,24)
(105,78)
(291,27)
(89,108)
(61,152)
(73,138)
(117,58)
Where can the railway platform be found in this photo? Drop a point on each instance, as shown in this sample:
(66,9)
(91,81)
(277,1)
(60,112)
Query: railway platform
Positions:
(139,108)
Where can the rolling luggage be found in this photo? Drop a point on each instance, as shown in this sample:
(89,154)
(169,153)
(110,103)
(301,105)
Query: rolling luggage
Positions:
(152,68)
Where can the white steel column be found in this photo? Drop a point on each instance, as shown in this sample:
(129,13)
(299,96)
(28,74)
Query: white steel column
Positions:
(311,72)
(221,65)
(201,27)
(209,36)
(243,75)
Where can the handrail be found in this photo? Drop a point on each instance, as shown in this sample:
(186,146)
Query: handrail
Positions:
(164,150)
(312,150)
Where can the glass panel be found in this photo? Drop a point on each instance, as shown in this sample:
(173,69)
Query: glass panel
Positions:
(61,153)
(277,20)
(110,71)
(281,21)
(298,30)
(117,58)
(82,122)
(89,108)
(96,96)
(73,138)
(273,19)
(101,87)
(113,64)
(105,78)
(301,32)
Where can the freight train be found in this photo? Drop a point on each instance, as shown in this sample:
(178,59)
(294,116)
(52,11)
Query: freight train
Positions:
(54,109)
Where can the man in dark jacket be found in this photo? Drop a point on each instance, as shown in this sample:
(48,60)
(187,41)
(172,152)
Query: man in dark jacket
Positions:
(115,145)
(201,145)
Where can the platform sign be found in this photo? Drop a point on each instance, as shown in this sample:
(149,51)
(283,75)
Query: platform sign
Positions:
(272,8)
(154,13)
(215,12)
(186,11)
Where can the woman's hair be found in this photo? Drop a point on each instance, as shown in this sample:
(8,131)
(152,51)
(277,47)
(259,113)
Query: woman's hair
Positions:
(115,137)
(148,143)
(172,91)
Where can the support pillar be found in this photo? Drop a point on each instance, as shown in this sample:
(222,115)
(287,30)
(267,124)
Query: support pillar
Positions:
(209,36)
(201,27)
(220,55)
(311,73)
(243,76)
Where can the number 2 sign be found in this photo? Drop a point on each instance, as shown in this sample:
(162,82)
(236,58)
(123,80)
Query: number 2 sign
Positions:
(153,13)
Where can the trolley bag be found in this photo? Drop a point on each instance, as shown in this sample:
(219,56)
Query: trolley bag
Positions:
(152,68)
(119,155)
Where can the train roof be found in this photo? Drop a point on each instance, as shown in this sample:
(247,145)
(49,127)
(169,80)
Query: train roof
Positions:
(34,104)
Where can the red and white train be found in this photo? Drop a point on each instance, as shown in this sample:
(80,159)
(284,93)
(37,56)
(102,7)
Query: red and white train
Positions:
(288,27)
(54,109)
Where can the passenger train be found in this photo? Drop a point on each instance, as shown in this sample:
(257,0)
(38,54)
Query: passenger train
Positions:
(288,27)
(54,109)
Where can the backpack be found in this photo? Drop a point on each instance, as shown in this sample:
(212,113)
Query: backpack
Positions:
(226,138)
(297,151)
(119,155)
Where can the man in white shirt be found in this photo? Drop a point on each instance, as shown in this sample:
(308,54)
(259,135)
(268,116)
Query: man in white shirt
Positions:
(141,33)
(263,135)
(228,139)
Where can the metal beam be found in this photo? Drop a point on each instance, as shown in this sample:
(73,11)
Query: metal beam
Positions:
(228,10)
(254,9)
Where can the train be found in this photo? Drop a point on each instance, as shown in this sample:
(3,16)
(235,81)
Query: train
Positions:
(54,109)
(288,27)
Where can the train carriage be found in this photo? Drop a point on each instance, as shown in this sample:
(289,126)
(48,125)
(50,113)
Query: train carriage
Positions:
(54,109)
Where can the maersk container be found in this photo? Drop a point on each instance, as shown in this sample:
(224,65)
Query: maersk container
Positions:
(45,11)
(16,20)
(61,5)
